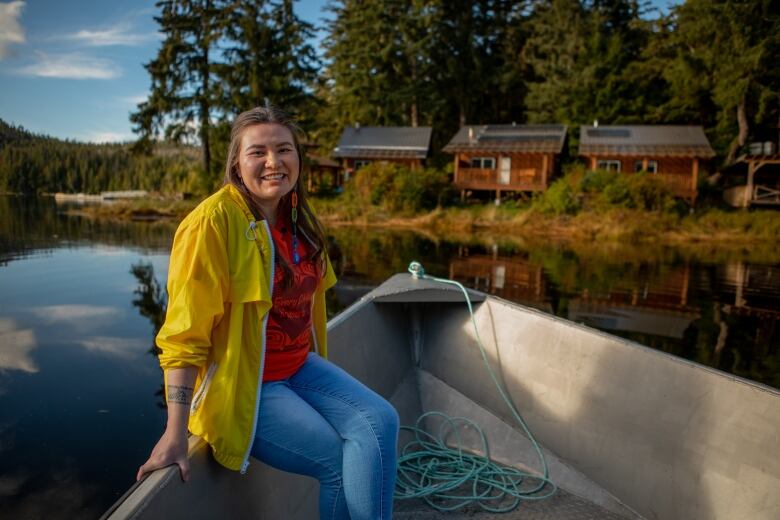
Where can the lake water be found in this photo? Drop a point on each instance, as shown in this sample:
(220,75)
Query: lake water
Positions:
(81,392)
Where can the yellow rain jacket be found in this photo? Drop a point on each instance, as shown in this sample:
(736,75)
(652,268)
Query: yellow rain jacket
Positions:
(220,284)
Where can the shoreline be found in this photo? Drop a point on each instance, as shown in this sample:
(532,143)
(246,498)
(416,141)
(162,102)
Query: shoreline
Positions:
(710,228)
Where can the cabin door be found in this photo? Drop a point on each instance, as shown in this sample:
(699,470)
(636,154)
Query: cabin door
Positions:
(505,168)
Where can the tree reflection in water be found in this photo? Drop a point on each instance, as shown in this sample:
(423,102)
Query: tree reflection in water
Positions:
(151,300)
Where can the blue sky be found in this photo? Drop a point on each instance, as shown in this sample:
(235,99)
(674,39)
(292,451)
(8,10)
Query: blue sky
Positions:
(74,69)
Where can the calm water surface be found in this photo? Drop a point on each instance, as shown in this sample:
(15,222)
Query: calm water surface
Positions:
(80,301)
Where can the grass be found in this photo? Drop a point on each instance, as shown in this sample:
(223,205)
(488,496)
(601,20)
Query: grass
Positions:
(597,226)
(138,209)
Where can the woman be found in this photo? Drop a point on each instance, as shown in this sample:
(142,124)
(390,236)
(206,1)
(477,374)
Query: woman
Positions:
(245,329)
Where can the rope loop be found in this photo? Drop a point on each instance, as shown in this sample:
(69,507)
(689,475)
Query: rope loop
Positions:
(447,476)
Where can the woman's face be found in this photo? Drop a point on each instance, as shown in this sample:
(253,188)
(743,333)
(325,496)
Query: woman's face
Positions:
(268,163)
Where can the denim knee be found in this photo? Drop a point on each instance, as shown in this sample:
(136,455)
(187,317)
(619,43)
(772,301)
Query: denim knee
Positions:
(387,416)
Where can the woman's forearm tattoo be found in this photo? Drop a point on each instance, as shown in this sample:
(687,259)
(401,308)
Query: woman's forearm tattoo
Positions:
(179,394)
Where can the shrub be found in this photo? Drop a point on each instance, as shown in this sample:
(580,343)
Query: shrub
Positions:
(606,189)
(650,193)
(597,181)
(398,188)
(559,199)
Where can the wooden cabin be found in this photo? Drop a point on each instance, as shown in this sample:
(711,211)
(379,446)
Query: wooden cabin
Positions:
(320,168)
(505,157)
(672,152)
(363,145)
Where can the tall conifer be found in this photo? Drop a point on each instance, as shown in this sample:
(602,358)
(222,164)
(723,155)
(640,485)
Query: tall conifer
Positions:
(183,91)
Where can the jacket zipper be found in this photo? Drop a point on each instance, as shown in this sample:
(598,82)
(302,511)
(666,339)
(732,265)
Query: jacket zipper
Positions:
(204,387)
(245,464)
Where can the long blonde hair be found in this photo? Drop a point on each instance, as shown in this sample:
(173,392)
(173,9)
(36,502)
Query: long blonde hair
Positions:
(308,225)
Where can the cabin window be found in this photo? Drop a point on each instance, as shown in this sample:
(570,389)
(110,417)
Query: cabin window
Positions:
(613,166)
(487,163)
(360,163)
(652,166)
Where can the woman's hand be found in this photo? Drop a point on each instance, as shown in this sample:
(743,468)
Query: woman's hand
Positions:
(172,446)
(170,449)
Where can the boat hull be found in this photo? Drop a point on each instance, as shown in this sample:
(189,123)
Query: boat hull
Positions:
(628,431)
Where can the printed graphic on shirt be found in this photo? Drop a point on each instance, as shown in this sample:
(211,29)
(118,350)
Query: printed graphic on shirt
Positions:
(289,323)
(288,331)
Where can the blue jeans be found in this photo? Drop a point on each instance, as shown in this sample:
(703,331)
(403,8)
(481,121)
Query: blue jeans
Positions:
(324,423)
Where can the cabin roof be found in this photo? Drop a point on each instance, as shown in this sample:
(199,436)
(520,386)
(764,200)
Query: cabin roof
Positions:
(323,162)
(658,140)
(508,138)
(384,142)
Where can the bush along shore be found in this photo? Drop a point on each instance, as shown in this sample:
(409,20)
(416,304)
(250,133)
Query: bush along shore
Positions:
(580,205)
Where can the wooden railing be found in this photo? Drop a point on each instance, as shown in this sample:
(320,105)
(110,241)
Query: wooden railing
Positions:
(680,185)
(519,179)
(480,175)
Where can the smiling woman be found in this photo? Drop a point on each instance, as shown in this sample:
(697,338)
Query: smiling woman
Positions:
(237,288)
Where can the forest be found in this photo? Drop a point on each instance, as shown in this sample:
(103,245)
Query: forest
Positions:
(438,63)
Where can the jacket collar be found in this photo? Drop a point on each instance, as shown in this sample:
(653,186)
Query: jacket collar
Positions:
(237,197)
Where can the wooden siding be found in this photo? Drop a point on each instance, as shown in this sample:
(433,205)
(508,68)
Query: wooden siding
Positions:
(680,174)
(528,172)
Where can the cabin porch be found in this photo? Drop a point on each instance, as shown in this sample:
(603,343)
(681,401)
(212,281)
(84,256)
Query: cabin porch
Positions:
(489,171)
(762,185)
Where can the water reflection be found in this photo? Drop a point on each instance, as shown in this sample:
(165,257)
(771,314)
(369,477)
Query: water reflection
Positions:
(513,278)
(657,305)
(724,316)
(722,313)
(36,225)
(17,346)
(151,301)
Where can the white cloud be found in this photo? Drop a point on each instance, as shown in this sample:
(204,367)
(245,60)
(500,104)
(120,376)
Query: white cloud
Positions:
(56,313)
(119,34)
(120,347)
(80,319)
(71,66)
(16,347)
(134,100)
(109,137)
(11,30)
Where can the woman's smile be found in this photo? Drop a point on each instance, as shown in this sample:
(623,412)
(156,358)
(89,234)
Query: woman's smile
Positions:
(273,176)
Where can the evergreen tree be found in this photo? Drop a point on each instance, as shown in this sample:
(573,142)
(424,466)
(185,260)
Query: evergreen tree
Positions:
(423,62)
(725,57)
(579,54)
(33,164)
(477,53)
(183,94)
(268,57)
(360,72)
(554,51)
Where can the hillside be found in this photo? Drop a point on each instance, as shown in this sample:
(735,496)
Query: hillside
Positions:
(35,164)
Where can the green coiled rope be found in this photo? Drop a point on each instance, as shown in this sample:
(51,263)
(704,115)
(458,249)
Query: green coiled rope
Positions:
(449,478)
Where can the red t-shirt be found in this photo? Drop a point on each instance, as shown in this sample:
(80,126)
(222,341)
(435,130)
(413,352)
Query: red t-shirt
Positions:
(289,328)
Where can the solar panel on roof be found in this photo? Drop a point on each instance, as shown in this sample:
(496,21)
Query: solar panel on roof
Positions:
(608,132)
(515,137)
